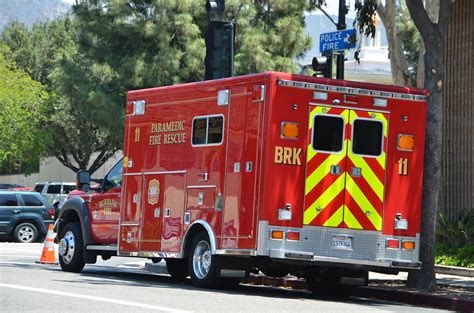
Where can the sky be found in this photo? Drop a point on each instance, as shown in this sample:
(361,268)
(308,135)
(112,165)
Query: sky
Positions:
(332,8)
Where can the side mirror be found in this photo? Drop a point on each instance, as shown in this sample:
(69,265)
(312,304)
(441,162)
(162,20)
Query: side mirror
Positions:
(83,180)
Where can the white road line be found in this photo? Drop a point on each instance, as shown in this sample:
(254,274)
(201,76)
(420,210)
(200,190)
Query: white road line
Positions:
(20,256)
(93,298)
(20,263)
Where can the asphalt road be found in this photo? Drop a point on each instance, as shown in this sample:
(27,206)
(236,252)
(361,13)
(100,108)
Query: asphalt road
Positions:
(119,285)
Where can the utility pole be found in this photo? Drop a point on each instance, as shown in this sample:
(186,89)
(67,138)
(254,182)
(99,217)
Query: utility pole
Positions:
(341,25)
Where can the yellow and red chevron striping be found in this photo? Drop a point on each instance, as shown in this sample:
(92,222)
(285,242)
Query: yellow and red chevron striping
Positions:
(344,200)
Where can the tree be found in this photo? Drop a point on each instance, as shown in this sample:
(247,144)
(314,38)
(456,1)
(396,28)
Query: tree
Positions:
(398,64)
(22,105)
(147,43)
(35,50)
(433,31)
(432,25)
(79,121)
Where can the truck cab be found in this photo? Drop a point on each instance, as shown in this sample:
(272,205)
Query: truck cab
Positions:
(93,214)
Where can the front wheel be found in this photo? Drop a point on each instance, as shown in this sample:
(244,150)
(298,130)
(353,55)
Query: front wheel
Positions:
(202,265)
(71,253)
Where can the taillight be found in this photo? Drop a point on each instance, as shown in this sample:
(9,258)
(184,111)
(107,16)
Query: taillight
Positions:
(393,243)
(293,235)
(51,212)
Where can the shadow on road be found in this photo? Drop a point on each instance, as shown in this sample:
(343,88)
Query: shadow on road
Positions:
(104,276)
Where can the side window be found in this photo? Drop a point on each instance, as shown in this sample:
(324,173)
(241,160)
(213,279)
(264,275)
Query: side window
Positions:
(328,133)
(39,187)
(56,189)
(31,200)
(114,176)
(208,130)
(68,188)
(8,200)
(367,137)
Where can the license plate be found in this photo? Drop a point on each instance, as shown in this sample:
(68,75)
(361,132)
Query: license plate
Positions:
(342,242)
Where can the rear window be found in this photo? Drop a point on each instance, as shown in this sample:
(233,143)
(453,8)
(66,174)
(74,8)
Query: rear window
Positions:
(8,200)
(367,137)
(39,187)
(328,133)
(31,200)
(208,130)
(54,189)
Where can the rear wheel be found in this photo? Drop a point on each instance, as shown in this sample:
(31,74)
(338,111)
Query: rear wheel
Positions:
(177,268)
(202,265)
(71,253)
(25,233)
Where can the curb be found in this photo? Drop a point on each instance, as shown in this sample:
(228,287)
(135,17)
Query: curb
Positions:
(454,270)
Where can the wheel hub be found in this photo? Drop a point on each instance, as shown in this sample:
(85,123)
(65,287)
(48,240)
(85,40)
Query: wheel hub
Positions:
(202,259)
(26,233)
(66,247)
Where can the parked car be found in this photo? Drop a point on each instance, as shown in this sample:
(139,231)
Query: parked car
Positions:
(24,216)
(10,186)
(55,192)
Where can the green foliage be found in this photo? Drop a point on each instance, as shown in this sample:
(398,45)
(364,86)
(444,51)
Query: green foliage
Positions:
(107,47)
(270,35)
(365,12)
(463,256)
(455,232)
(23,103)
(35,50)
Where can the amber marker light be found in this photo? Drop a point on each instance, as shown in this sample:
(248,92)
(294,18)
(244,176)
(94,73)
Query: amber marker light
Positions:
(277,234)
(405,142)
(289,130)
(408,245)
(393,243)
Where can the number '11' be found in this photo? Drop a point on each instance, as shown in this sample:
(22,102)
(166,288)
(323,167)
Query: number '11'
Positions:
(403,166)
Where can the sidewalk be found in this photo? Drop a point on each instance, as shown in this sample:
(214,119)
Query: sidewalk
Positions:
(442,279)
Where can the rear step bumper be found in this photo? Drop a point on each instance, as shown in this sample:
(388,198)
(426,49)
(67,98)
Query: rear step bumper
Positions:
(316,244)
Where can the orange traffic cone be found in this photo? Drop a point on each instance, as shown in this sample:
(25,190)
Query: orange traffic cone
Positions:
(48,256)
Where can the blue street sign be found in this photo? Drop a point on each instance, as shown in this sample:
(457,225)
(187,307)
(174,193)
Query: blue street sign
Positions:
(336,40)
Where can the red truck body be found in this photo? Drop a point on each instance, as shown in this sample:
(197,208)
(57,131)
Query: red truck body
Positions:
(287,167)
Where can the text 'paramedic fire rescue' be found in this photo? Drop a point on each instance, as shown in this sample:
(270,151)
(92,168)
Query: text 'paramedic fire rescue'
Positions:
(170,137)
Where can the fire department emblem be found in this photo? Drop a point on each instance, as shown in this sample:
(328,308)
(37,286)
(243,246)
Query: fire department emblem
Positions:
(153,191)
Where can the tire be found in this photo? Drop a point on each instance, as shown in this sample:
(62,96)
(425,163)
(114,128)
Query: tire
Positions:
(202,265)
(56,211)
(25,233)
(177,268)
(71,248)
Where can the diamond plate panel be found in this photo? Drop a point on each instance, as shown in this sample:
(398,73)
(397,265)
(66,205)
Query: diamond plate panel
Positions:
(366,245)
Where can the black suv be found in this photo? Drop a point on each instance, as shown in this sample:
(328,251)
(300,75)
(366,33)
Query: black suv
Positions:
(24,216)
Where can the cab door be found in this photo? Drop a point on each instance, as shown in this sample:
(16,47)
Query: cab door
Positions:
(105,207)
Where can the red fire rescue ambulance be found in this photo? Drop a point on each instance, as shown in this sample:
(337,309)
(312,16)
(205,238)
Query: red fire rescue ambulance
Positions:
(282,173)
